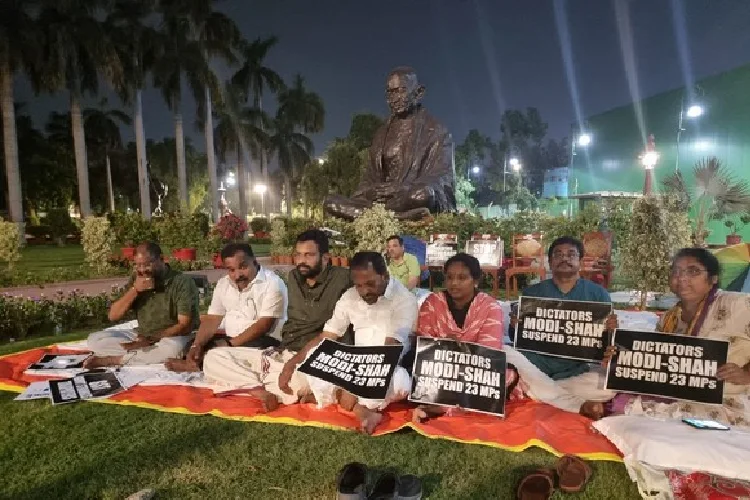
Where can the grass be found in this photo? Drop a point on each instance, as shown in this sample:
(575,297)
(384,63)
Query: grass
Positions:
(90,450)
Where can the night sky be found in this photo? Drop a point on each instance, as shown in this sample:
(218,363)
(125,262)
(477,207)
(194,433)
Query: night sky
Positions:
(477,57)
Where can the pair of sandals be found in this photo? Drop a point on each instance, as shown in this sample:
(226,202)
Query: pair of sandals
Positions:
(572,475)
(352,485)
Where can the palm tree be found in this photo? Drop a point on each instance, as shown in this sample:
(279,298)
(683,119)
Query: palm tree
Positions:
(254,77)
(217,36)
(293,150)
(103,131)
(302,107)
(77,49)
(240,130)
(136,42)
(17,43)
(179,55)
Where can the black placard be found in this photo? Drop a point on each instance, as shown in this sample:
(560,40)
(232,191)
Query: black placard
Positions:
(466,375)
(563,328)
(667,365)
(89,385)
(364,371)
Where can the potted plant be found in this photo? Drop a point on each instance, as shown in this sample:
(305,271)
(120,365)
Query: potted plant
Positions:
(344,255)
(260,227)
(736,225)
(228,229)
(130,230)
(182,234)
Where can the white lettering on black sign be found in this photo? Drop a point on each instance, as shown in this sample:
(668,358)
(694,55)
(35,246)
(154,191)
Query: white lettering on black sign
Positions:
(563,328)
(672,366)
(466,375)
(364,371)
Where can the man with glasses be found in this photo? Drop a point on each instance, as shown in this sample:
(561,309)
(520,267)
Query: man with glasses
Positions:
(165,304)
(565,255)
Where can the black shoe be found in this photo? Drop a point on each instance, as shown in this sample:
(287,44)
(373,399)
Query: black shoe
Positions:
(385,488)
(409,488)
(351,481)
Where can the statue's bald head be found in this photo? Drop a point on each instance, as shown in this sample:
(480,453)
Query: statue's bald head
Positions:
(403,90)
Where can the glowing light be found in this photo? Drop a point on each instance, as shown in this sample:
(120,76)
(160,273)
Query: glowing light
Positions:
(475,170)
(649,159)
(516,166)
(703,145)
(261,188)
(231,181)
(694,111)
(514,162)
(584,140)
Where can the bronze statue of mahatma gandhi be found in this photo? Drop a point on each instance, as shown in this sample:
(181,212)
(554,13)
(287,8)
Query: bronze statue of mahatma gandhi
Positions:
(410,169)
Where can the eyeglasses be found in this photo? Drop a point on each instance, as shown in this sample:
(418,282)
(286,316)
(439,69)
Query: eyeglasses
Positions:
(690,272)
(568,255)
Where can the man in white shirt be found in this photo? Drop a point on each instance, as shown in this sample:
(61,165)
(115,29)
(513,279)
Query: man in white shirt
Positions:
(382,312)
(249,302)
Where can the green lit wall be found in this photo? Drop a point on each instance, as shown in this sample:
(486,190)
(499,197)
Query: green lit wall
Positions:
(611,163)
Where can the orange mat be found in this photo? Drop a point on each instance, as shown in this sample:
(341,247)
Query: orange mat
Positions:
(528,423)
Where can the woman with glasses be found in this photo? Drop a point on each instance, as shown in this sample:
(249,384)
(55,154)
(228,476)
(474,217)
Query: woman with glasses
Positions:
(702,311)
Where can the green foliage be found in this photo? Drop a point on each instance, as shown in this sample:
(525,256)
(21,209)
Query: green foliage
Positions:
(464,189)
(10,241)
(278,235)
(374,226)
(97,243)
(658,228)
(363,128)
(179,230)
(131,229)
(736,224)
(60,224)
(260,224)
(24,316)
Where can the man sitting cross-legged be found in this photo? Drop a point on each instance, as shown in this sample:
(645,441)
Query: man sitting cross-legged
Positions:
(314,286)
(165,303)
(250,300)
(382,312)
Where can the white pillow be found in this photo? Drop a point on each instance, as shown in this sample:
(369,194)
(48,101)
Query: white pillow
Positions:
(672,444)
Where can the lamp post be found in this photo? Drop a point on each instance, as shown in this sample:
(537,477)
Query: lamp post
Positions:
(649,158)
(515,164)
(694,111)
(584,140)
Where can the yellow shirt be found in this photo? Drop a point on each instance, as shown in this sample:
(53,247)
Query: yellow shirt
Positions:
(402,271)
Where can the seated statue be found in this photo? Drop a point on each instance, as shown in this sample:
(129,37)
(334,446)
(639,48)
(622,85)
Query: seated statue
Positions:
(410,169)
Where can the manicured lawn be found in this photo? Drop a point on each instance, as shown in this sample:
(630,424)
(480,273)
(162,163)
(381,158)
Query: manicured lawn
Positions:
(91,450)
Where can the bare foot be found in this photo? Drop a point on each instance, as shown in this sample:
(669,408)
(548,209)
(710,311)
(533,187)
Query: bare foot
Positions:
(592,409)
(101,361)
(422,413)
(346,400)
(181,365)
(269,401)
(308,398)
(368,419)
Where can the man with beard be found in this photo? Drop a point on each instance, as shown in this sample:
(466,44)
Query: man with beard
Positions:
(565,255)
(165,304)
(250,302)
(382,312)
(314,287)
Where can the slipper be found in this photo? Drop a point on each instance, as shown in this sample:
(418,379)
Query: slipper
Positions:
(409,488)
(351,481)
(539,485)
(385,488)
(572,473)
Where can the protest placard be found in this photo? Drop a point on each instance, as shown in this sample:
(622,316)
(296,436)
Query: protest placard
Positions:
(487,252)
(563,328)
(667,365)
(364,371)
(59,365)
(441,248)
(95,384)
(467,375)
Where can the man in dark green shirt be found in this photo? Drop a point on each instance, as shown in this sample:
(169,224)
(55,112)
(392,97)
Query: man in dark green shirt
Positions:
(313,289)
(165,303)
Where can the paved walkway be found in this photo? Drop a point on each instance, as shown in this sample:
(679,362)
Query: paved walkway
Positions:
(97,286)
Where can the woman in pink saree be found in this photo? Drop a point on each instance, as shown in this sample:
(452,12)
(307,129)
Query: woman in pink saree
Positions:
(465,314)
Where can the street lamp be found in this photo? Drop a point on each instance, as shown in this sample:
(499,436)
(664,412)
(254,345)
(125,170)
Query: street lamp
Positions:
(321,161)
(584,140)
(261,190)
(515,164)
(475,170)
(231,181)
(649,158)
(693,111)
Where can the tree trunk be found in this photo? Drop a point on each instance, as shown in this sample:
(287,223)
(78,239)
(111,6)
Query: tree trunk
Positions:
(288,194)
(140,148)
(213,186)
(10,143)
(110,190)
(264,164)
(241,183)
(181,168)
(79,144)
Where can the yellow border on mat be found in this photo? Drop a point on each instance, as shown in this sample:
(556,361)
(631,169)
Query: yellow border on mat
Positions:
(600,456)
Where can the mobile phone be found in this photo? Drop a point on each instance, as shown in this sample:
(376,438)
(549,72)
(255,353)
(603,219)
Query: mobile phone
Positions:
(705,424)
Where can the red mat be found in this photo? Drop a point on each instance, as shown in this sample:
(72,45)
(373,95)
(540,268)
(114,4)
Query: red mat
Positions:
(527,423)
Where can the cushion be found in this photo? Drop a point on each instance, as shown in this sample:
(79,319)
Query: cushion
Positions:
(672,444)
